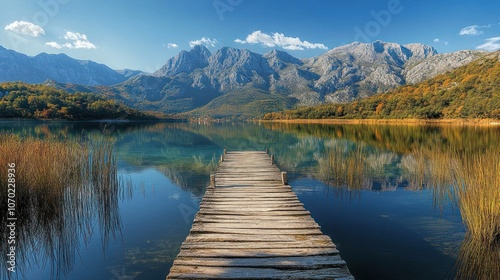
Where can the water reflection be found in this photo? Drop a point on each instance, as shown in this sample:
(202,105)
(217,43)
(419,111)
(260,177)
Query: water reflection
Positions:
(351,159)
(469,178)
(62,189)
(477,260)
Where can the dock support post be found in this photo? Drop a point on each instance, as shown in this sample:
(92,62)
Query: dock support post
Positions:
(212,180)
(267,151)
(225,151)
(221,158)
(284,178)
(272,159)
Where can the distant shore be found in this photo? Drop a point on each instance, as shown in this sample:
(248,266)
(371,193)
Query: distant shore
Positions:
(482,122)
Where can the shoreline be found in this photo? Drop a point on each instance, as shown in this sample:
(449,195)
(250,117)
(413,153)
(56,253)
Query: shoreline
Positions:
(464,122)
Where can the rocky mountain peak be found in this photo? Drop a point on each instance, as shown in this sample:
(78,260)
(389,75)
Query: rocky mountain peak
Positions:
(383,52)
(420,51)
(185,61)
(236,59)
(278,60)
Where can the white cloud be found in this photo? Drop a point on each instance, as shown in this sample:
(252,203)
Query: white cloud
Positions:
(437,40)
(55,45)
(279,40)
(78,41)
(473,30)
(172,45)
(492,44)
(74,40)
(25,28)
(203,41)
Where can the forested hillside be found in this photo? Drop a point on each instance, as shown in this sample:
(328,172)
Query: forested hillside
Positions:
(471,91)
(21,100)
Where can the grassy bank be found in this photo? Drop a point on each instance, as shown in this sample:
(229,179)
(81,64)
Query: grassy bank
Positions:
(485,122)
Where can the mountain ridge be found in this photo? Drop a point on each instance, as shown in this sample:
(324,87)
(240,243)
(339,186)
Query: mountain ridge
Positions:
(62,68)
(199,81)
(468,92)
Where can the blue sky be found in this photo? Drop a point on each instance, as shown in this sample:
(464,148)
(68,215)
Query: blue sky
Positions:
(144,34)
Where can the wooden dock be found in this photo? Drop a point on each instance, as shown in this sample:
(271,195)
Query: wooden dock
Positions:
(251,225)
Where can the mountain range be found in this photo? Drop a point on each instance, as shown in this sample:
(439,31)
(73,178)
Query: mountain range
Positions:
(239,82)
(468,92)
(15,66)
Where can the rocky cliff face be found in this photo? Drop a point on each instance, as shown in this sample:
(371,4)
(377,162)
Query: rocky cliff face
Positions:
(185,62)
(58,67)
(359,70)
(441,63)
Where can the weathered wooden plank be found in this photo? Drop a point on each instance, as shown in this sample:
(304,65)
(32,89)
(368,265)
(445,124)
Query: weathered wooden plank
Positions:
(256,245)
(277,262)
(249,176)
(232,188)
(257,253)
(270,213)
(248,199)
(248,218)
(245,187)
(223,200)
(212,237)
(250,205)
(201,272)
(260,225)
(254,195)
(244,171)
(210,229)
(253,207)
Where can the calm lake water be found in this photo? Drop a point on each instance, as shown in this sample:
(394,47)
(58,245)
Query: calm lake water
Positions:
(387,225)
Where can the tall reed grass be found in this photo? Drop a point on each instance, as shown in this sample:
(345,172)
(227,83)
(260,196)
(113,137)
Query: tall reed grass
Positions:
(469,178)
(62,188)
(476,184)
